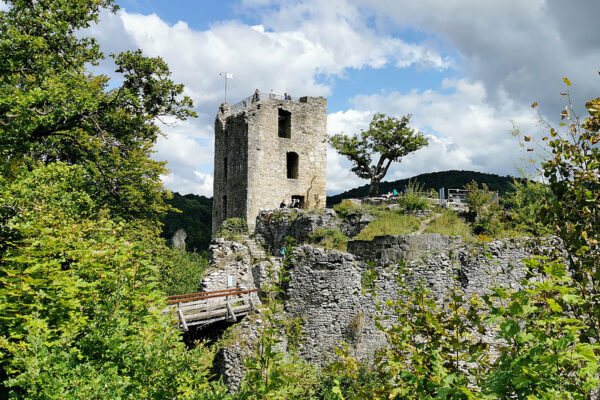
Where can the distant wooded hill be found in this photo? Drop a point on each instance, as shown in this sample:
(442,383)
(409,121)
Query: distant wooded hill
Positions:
(196,215)
(195,218)
(434,180)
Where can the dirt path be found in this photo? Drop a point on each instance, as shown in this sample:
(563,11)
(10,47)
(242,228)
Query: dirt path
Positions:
(426,222)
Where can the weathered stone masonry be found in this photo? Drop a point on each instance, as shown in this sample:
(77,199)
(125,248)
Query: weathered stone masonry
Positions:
(325,287)
(266,153)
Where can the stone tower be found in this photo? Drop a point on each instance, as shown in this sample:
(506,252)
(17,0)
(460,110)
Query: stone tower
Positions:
(268,151)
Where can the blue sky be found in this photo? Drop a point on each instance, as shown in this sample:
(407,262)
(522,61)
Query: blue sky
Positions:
(466,70)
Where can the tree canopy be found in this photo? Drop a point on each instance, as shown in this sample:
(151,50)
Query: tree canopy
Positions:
(388,139)
(53,109)
(81,260)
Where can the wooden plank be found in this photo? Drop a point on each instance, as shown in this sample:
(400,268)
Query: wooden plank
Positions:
(179,296)
(204,322)
(211,296)
(230,312)
(182,319)
(201,322)
(199,294)
(215,303)
(223,313)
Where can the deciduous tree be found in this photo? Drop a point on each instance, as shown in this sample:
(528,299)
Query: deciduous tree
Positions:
(388,139)
(53,109)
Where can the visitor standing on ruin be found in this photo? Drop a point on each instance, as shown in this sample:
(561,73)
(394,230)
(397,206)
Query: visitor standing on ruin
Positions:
(256,96)
(272,94)
(282,205)
(287,96)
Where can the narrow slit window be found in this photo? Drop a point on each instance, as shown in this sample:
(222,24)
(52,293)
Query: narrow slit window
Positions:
(225,168)
(292,165)
(284,127)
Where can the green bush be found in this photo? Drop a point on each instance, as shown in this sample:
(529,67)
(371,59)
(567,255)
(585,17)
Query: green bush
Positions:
(80,298)
(181,271)
(413,200)
(524,204)
(329,239)
(346,207)
(358,384)
(484,211)
(232,228)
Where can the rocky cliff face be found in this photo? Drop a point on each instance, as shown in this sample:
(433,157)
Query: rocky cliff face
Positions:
(336,293)
(275,225)
(329,291)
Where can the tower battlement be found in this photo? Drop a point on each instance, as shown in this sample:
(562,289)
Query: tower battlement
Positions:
(268,151)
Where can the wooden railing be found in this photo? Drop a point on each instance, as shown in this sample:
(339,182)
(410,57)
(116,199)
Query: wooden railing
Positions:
(203,308)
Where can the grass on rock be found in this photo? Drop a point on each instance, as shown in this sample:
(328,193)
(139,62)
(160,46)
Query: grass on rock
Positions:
(330,239)
(449,224)
(390,223)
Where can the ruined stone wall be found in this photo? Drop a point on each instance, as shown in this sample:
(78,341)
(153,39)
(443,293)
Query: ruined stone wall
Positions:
(325,286)
(391,249)
(275,225)
(231,142)
(257,158)
(327,290)
(268,180)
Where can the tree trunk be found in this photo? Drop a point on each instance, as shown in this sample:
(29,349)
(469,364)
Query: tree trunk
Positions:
(374,188)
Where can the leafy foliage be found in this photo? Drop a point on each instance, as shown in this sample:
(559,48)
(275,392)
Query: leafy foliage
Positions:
(524,204)
(413,199)
(543,355)
(181,271)
(53,109)
(193,214)
(80,198)
(387,138)
(77,289)
(349,379)
(573,172)
(431,352)
(484,209)
(435,181)
(232,228)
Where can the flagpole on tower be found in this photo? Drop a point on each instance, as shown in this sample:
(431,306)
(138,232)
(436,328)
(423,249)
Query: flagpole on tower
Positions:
(226,75)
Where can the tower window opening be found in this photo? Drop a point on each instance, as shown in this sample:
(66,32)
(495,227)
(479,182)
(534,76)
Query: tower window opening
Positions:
(225,168)
(292,165)
(284,126)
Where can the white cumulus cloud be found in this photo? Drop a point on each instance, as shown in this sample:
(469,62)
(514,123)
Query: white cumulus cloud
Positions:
(465,132)
(290,52)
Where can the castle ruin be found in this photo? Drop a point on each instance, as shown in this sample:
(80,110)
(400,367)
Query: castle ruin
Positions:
(266,152)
